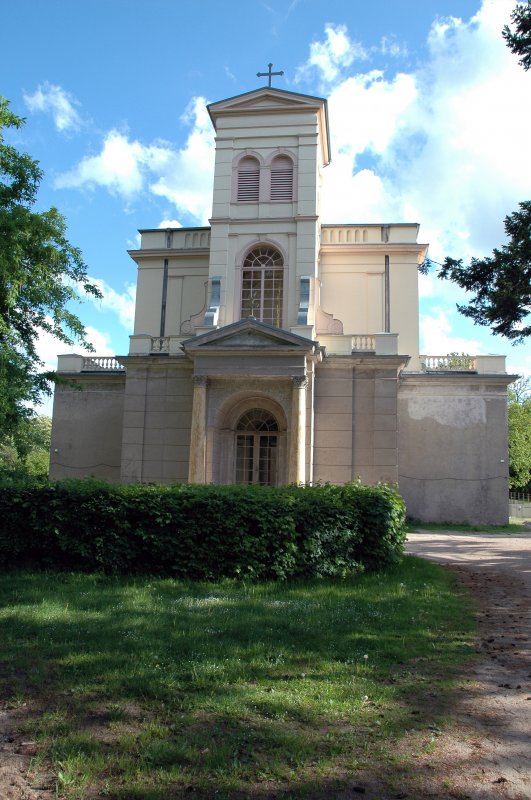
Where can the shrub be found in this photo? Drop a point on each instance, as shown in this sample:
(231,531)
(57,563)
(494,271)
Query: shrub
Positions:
(200,532)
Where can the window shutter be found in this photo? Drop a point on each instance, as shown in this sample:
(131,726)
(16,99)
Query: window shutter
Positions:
(282,179)
(248,180)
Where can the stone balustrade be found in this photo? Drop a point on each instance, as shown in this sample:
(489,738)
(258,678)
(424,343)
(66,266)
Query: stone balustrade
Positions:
(98,363)
(362,342)
(449,363)
(160,344)
(453,362)
(77,363)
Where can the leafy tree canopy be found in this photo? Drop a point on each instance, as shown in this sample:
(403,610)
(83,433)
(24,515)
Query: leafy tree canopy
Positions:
(519,40)
(501,283)
(520,434)
(27,452)
(40,273)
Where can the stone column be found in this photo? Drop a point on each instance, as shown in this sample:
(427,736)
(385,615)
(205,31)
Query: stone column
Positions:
(297,444)
(196,469)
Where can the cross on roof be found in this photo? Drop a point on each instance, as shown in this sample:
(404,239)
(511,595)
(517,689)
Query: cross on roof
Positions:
(269,74)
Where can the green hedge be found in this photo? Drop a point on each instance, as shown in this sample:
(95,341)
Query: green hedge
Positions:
(200,532)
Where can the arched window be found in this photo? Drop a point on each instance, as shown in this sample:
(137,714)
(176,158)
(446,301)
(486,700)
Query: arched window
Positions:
(257,448)
(262,285)
(282,178)
(248,180)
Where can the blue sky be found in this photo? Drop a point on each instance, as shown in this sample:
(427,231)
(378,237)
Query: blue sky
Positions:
(427,115)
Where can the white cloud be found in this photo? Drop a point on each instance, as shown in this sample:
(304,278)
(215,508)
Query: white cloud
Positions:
(187,177)
(119,167)
(169,223)
(121,303)
(127,167)
(436,336)
(390,47)
(54,100)
(445,145)
(366,112)
(330,58)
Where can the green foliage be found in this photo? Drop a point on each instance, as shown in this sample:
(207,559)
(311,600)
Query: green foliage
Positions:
(501,283)
(39,270)
(519,415)
(519,41)
(157,688)
(201,532)
(27,450)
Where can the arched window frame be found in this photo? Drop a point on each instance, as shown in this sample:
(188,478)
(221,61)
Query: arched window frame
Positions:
(281,179)
(266,167)
(236,171)
(256,448)
(227,417)
(263,315)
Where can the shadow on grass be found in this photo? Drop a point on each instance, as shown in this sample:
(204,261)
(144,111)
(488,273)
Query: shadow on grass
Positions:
(160,687)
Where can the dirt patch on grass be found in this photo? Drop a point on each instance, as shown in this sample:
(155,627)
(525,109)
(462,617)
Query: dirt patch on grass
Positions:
(18,779)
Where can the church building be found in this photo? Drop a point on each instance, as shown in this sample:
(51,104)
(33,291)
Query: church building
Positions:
(273,348)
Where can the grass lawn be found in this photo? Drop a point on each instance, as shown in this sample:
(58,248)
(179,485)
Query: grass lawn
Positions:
(160,689)
(414,526)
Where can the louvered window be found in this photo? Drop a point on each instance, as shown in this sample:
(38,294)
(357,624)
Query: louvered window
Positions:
(263,285)
(248,180)
(282,178)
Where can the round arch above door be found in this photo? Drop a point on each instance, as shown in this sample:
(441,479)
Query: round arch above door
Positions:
(256,448)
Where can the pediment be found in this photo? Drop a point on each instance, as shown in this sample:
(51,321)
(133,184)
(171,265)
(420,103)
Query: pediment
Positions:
(265,99)
(247,334)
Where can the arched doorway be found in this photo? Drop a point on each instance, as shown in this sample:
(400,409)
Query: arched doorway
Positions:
(256,447)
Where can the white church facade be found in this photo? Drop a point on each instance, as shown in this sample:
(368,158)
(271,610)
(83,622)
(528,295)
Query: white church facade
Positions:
(272,348)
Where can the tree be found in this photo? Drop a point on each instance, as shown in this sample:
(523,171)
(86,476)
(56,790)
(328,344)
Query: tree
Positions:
(519,42)
(40,273)
(29,450)
(519,412)
(501,282)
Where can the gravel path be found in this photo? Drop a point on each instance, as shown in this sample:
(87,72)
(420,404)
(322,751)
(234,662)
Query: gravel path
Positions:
(488,755)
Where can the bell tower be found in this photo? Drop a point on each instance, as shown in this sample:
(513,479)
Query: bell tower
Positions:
(271,148)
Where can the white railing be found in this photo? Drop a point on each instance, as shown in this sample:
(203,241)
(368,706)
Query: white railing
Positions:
(450,363)
(361,341)
(160,344)
(98,363)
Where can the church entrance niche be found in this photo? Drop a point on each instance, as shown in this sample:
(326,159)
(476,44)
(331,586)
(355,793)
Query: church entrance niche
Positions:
(257,448)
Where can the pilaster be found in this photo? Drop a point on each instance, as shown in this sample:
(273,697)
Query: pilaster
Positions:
(197,468)
(297,449)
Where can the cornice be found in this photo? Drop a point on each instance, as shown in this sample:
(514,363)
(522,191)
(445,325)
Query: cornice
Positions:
(433,378)
(373,247)
(165,252)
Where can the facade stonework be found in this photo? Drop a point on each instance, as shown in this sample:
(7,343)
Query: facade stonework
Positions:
(272,348)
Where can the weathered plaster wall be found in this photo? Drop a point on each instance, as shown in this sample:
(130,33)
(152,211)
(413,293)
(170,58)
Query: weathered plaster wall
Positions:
(156,422)
(333,395)
(356,420)
(453,464)
(374,427)
(87,428)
